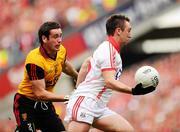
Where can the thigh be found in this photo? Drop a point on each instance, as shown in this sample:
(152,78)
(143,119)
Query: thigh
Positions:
(78,109)
(75,126)
(49,124)
(23,114)
(47,120)
(113,122)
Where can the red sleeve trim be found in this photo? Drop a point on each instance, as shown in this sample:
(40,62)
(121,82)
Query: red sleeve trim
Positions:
(107,69)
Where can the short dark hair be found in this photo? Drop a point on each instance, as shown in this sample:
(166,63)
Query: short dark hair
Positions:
(114,21)
(45,29)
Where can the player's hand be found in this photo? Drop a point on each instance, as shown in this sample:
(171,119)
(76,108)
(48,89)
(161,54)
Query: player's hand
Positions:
(139,90)
(66,99)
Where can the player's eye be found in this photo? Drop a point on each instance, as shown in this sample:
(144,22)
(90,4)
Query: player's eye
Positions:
(57,36)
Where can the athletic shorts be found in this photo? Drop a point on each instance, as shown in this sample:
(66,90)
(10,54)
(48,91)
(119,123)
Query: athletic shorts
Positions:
(86,109)
(41,115)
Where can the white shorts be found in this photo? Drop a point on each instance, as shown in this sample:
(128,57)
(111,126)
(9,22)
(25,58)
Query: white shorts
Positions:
(86,109)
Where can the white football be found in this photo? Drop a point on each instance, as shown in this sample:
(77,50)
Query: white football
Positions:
(148,76)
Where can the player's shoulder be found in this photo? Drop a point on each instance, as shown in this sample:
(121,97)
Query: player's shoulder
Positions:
(33,53)
(34,56)
(104,46)
(102,50)
(62,51)
(62,47)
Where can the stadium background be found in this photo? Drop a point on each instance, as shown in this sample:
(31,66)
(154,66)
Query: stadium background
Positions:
(156,42)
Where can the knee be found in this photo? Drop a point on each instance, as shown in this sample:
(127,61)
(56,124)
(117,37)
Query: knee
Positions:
(129,129)
(125,128)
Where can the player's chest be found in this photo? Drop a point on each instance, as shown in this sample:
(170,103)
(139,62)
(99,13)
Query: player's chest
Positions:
(53,67)
(118,67)
(117,61)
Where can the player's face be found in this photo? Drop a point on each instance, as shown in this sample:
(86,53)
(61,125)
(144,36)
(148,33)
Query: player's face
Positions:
(55,39)
(126,34)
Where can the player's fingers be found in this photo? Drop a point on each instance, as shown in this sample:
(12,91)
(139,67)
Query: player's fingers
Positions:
(149,89)
(66,102)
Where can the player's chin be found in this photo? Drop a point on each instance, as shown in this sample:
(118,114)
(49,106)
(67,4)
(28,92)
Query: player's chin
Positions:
(57,48)
(128,39)
(126,42)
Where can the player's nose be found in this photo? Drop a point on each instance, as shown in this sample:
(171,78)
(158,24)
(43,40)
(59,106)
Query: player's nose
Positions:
(59,39)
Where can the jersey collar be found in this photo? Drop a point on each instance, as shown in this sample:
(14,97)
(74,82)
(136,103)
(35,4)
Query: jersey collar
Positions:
(114,43)
(44,53)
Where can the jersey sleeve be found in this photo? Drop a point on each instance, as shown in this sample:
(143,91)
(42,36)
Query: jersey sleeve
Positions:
(105,57)
(34,66)
(34,72)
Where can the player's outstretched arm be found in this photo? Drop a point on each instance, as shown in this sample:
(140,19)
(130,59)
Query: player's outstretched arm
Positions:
(40,94)
(113,84)
(36,76)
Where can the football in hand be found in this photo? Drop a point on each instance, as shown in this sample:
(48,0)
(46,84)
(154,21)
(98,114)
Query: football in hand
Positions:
(148,76)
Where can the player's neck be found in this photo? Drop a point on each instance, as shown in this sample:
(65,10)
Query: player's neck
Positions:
(117,39)
(114,42)
(49,53)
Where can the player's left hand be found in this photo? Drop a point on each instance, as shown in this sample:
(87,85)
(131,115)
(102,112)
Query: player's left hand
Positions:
(139,90)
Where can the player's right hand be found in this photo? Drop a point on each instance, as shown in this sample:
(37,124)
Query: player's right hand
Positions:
(66,99)
(139,90)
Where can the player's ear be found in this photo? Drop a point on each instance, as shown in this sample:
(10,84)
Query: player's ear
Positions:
(44,39)
(118,31)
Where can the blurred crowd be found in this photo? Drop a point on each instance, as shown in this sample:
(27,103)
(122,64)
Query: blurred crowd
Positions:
(20,20)
(156,112)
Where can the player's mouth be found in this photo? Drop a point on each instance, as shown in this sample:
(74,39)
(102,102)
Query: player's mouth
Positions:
(57,47)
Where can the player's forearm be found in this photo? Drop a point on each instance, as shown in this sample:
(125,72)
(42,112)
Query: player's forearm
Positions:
(82,74)
(48,96)
(70,70)
(118,86)
(83,71)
